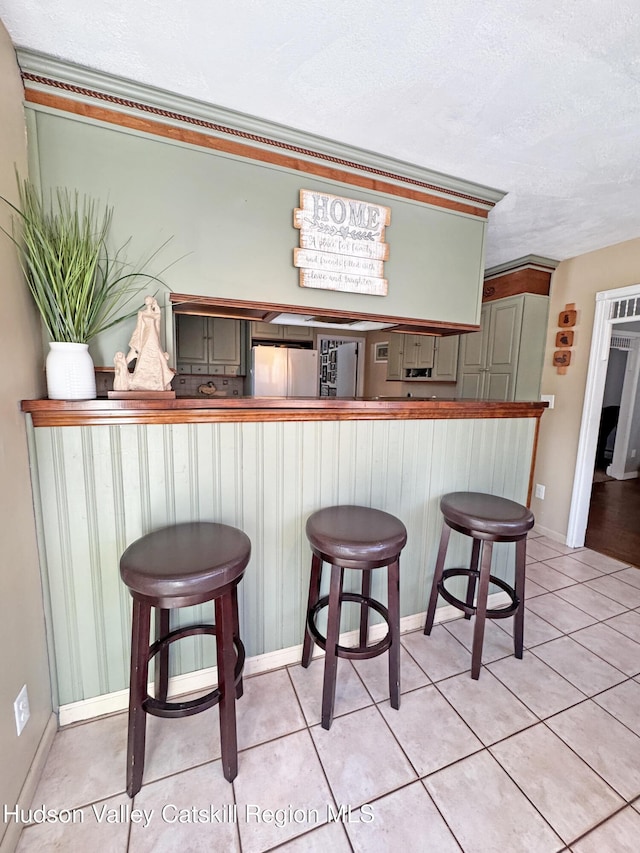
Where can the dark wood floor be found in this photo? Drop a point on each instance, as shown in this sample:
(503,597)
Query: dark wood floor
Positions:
(614,520)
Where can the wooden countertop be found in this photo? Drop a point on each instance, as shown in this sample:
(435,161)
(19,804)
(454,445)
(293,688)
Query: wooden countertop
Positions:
(206,410)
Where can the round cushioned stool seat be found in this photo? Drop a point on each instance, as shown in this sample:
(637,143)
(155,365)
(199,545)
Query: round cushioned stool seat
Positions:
(486,515)
(185,562)
(355,534)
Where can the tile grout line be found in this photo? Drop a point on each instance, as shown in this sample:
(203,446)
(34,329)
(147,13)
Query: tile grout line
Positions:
(315,749)
(627,803)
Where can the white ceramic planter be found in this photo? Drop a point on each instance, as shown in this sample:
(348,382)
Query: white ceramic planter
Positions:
(70,372)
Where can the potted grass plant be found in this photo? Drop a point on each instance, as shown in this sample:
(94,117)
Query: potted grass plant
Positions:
(79,287)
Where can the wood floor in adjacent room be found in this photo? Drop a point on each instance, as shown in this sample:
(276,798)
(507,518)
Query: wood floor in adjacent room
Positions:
(614,520)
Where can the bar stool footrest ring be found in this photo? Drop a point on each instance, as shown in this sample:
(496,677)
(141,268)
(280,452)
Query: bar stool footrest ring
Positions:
(351,652)
(492,613)
(159,708)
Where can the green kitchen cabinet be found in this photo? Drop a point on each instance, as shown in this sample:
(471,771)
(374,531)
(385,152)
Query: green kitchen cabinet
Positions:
(503,361)
(210,345)
(422,358)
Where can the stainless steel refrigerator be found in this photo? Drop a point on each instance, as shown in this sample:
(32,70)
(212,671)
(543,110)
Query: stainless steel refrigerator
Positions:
(284,372)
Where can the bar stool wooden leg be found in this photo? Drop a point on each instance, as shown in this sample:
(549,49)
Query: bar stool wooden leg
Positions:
(314,595)
(364,610)
(471,585)
(236,634)
(137,694)
(333,636)
(393,600)
(161,678)
(226,656)
(518,619)
(481,610)
(437,577)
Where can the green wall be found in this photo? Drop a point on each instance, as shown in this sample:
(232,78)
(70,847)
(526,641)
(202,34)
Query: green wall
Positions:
(231,225)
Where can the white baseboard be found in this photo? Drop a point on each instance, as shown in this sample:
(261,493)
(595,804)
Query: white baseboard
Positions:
(628,475)
(11,836)
(551,534)
(203,679)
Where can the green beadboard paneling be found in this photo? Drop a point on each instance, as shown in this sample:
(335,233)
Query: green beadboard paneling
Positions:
(102,487)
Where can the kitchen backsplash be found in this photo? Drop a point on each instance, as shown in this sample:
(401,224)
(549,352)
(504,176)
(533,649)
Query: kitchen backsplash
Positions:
(186,385)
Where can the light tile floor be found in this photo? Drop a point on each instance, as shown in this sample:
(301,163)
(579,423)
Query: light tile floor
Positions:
(541,754)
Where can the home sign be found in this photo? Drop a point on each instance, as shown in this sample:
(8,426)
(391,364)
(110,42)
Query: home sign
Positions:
(341,243)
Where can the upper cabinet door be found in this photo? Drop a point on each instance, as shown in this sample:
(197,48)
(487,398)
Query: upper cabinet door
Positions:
(445,365)
(418,351)
(395,356)
(426,351)
(224,341)
(297,333)
(503,348)
(192,339)
(473,349)
(473,358)
(209,345)
(266,331)
(504,334)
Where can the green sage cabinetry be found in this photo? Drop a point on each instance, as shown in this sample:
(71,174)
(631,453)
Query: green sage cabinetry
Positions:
(277,332)
(422,358)
(210,345)
(503,361)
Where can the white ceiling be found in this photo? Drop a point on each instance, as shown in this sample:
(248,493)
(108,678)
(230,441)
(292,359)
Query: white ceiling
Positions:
(538,98)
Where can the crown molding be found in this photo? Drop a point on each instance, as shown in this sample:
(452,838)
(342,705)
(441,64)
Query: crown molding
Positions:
(45,74)
(527,262)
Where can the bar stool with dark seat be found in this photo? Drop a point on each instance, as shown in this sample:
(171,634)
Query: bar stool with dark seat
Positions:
(353,537)
(181,566)
(487,519)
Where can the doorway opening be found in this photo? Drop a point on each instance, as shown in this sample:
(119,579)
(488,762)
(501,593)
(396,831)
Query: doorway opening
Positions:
(341,365)
(613,526)
(601,444)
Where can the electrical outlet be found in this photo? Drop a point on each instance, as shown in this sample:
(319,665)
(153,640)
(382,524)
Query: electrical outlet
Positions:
(539,492)
(633,453)
(548,398)
(21,709)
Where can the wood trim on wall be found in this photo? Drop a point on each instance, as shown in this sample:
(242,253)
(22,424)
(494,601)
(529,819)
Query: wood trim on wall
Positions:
(337,171)
(514,283)
(46,413)
(266,312)
(534,453)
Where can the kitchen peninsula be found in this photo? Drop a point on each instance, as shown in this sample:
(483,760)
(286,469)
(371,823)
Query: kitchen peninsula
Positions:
(229,190)
(108,471)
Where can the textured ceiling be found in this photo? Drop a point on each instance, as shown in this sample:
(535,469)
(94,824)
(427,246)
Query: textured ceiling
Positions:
(538,98)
